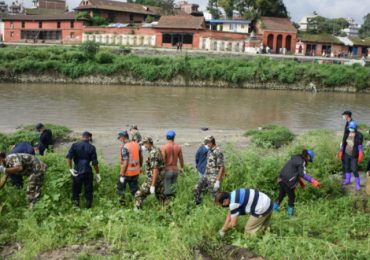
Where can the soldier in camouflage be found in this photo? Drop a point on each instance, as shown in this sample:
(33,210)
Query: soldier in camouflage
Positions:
(154,184)
(24,165)
(214,173)
(135,134)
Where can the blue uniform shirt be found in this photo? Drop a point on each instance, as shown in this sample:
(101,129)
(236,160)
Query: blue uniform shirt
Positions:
(83,154)
(24,147)
(201,159)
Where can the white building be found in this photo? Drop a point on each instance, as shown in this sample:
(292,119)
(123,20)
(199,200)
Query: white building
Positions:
(303,23)
(236,26)
(353,28)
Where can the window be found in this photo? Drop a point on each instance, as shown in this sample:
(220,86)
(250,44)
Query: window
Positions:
(11,25)
(23,24)
(166,38)
(242,26)
(58,24)
(72,24)
(11,34)
(188,39)
(72,35)
(40,24)
(131,18)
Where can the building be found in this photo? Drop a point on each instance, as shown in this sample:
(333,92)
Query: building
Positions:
(63,28)
(3,8)
(47,7)
(184,7)
(277,34)
(179,29)
(236,26)
(319,45)
(353,28)
(118,12)
(16,8)
(306,23)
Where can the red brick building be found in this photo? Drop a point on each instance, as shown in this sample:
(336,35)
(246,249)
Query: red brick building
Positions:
(118,12)
(43,28)
(277,33)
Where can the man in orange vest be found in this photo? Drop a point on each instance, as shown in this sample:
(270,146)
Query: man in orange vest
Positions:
(131,161)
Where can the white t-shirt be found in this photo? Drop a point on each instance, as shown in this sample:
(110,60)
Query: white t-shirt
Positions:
(263,203)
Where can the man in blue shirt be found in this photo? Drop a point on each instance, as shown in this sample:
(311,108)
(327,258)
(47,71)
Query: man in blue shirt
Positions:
(24,147)
(83,154)
(46,138)
(201,159)
(245,201)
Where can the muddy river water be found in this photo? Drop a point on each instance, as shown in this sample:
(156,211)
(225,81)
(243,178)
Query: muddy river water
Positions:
(226,112)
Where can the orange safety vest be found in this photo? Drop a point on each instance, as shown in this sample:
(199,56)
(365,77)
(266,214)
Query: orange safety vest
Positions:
(134,166)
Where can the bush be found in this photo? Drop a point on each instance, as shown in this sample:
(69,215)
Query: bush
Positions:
(89,49)
(271,136)
(105,57)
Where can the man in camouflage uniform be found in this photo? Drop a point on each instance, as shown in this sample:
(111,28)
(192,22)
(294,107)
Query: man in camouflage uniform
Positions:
(154,184)
(214,173)
(135,134)
(24,165)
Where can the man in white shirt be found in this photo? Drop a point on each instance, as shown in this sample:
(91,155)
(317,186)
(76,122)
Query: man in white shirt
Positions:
(245,201)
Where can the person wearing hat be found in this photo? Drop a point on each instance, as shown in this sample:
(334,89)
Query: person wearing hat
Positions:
(347,116)
(23,164)
(45,140)
(353,154)
(135,134)
(214,172)
(83,154)
(292,174)
(155,174)
(131,161)
(172,154)
(245,201)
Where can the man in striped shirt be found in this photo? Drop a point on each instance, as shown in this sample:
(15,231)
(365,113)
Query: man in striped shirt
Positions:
(245,201)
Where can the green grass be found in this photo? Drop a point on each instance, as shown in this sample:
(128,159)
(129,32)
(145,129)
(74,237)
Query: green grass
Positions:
(326,225)
(271,136)
(73,62)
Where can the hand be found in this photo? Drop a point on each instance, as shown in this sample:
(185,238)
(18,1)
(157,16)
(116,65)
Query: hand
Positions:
(315,183)
(340,155)
(73,172)
(122,179)
(152,189)
(98,178)
(216,186)
(2,169)
(221,233)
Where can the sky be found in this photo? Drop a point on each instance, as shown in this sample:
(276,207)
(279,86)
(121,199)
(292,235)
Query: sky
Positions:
(296,8)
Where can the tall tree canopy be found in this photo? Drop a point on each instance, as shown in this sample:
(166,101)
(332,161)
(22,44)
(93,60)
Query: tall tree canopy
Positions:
(166,5)
(321,24)
(249,9)
(365,28)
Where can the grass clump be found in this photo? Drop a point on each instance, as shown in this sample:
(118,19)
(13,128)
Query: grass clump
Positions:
(271,135)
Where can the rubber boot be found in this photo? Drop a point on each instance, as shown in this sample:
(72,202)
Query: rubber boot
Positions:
(276,207)
(290,212)
(357,180)
(348,179)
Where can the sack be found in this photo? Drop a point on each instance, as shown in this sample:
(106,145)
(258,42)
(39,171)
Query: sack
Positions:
(368,183)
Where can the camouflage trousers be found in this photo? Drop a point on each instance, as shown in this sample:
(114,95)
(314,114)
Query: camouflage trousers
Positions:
(35,182)
(144,190)
(204,184)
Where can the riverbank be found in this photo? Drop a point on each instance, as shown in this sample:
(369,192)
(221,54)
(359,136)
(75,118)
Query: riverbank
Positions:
(88,65)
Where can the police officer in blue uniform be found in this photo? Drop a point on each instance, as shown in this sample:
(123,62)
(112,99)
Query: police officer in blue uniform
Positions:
(46,138)
(83,155)
(24,147)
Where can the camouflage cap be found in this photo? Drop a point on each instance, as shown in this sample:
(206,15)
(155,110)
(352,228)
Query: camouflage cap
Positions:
(209,139)
(147,140)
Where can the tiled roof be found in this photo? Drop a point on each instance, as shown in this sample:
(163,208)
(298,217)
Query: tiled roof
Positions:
(277,24)
(118,6)
(319,38)
(181,22)
(24,17)
(43,11)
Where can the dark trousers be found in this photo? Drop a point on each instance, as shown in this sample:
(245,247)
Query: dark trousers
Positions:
(284,190)
(17,180)
(132,182)
(350,164)
(368,166)
(84,179)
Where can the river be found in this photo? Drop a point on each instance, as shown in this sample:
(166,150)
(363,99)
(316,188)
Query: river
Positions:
(226,112)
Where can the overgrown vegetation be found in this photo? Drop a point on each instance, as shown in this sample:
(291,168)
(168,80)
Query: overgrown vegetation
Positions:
(326,226)
(271,136)
(89,60)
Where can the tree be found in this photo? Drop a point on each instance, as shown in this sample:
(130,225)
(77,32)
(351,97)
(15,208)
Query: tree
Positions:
(166,6)
(365,28)
(320,24)
(213,8)
(249,9)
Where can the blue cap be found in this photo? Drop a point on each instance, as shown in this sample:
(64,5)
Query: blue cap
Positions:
(122,134)
(352,125)
(39,126)
(311,154)
(87,134)
(170,134)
